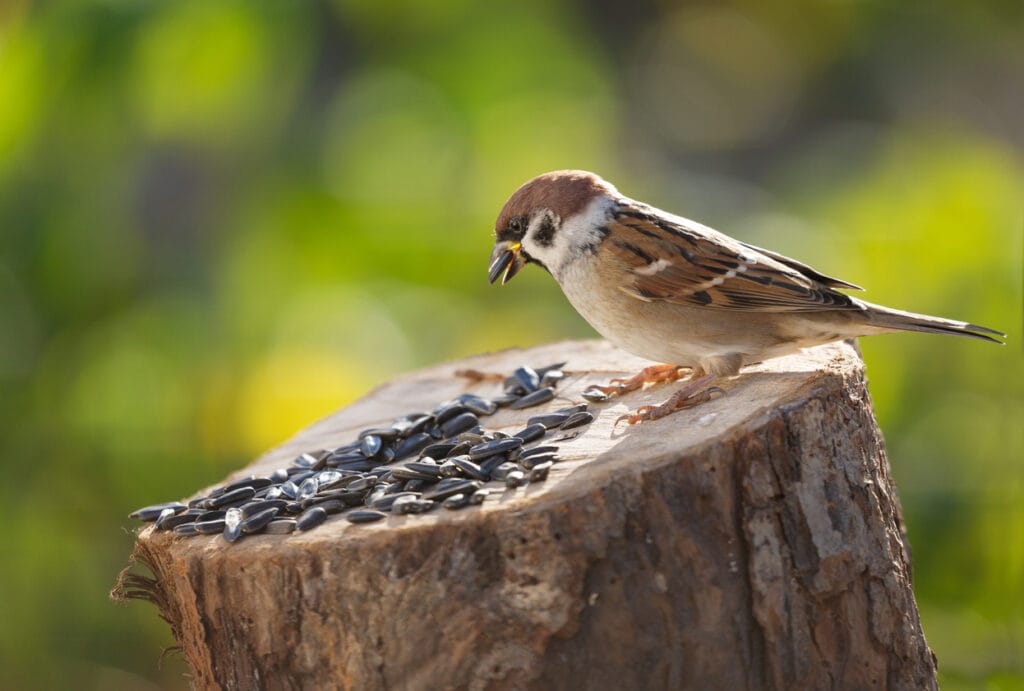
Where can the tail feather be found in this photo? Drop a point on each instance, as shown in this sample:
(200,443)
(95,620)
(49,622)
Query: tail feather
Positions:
(888,318)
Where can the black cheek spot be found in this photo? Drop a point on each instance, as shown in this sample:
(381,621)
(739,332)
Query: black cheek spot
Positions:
(545,234)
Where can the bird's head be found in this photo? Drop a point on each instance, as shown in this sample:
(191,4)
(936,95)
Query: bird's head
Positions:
(550,221)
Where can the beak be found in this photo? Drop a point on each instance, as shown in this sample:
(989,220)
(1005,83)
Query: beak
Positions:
(505,261)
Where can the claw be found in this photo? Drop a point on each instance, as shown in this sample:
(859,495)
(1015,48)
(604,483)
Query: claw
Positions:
(687,397)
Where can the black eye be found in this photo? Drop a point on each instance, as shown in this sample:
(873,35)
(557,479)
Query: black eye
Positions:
(516,225)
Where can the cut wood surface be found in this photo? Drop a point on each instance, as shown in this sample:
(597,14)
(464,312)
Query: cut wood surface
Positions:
(752,542)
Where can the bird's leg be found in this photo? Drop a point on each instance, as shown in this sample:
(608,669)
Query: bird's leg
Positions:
(693,393)
(648,375)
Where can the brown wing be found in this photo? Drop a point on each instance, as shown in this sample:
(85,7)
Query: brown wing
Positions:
(675,260)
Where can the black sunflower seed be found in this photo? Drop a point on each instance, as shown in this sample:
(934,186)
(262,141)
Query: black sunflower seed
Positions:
(460,423)
(492,448)
(256,522)
(449,470)
(209,527)
(505,400)
(456,501)
(515,478)
(548,420)
(413,445)
(479,496)
(594,394)
(309,461)
(534,398)
(238,495)
(478,405)
(430,470)
(174,520)
(531,433)
(255,482)
(371,445)
(388,500)
(311,518)
(365,516)
(578,419)
(531,462)
(539,473)
(385,433)
(469,468)
(501,471)
(232,525)
(186,530)
(551,377)
(280,526)
(151,513)
(527,379)
(438,450)
(462,487)
(333,506)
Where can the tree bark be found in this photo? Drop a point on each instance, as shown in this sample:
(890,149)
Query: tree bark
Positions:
(752,542)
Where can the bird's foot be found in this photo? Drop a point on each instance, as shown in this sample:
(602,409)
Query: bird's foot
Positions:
(617,387)
(694,393)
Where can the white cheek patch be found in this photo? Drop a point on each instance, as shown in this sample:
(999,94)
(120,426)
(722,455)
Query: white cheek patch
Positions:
(576,235)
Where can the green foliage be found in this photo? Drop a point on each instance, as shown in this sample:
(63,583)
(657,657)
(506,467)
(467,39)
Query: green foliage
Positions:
(222,220)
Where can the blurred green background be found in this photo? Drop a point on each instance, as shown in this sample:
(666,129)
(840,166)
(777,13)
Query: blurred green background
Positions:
(220,221)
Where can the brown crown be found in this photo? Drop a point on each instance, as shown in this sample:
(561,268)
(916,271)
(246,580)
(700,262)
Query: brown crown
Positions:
(565,192)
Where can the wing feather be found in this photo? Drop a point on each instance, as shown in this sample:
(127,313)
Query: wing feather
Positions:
(675,260)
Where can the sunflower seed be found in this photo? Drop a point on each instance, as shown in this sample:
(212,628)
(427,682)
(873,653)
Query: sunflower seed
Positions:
(209,527)
(311,518)
(469,468)
(256,522)
(505,400)
(531,462)
(280,526)
(495,447)
(577,420)
(254,482)
(539,473)
(151,513)
(459,423)
(479,496)
(456,501)
(186,530)
(413,445)
(552,377)
(174,520)
(307,489)
(515,478)
(232,525)
(308,461)
(478,405)
(531,433)
(462,487)
(595,394)
(371,445)
(365,516)
(438,450)
(535,398)
(239,495)
(386,502)
(501,471)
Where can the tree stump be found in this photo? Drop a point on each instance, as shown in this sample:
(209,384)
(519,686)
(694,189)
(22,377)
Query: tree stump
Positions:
(752,542)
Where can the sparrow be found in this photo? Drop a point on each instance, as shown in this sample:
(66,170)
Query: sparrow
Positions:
(677,292)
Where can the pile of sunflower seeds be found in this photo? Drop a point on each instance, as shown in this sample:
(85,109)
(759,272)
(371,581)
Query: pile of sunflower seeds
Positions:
(422,461)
